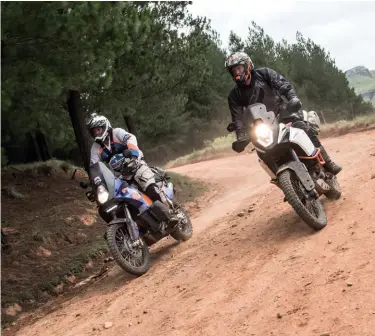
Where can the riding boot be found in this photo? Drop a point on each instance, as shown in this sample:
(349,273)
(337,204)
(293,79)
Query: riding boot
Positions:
(153,192)
(330,165)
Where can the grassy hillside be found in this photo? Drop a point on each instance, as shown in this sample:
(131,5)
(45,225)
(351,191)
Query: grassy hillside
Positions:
(362,83)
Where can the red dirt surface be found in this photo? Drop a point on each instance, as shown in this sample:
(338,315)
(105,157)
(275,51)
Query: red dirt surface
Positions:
(252,267)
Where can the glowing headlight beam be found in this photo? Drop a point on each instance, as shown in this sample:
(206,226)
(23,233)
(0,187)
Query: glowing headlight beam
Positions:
(264,135)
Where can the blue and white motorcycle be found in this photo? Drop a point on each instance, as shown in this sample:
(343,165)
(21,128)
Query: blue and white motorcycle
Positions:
(134,222)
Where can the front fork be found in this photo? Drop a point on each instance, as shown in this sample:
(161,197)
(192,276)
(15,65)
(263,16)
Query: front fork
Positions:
(132,227)
(274,179)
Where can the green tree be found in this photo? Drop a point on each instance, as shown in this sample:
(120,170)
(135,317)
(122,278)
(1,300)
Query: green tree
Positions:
(312,71)
(117,58)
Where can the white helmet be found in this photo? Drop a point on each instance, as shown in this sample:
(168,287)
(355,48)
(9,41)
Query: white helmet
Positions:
(98,121)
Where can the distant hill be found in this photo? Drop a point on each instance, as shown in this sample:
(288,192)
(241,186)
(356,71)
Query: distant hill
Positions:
(363,82)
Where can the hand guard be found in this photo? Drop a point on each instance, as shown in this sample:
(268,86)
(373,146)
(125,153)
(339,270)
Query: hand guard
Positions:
(242,141)
(231,127)
(294,105)
(292,111)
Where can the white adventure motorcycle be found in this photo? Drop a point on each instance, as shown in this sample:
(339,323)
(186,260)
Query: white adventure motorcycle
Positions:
(293,163)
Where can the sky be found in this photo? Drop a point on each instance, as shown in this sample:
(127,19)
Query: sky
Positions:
(346,29)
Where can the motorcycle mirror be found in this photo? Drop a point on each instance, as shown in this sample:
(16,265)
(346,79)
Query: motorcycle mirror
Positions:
(83,185)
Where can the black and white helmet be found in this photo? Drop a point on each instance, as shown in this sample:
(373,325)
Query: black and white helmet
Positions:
(240,58)
(97,121)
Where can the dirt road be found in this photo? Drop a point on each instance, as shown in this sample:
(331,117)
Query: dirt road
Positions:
(265,273)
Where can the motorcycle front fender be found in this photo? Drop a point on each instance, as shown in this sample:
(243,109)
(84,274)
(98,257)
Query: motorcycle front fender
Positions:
(117,221)
(300,169)
(131,225)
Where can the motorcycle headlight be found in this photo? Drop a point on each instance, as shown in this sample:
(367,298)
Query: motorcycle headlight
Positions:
(264,135)
(102,194)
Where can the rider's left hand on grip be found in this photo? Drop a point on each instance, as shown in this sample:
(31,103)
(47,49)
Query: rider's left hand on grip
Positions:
(127,153)
(231,127)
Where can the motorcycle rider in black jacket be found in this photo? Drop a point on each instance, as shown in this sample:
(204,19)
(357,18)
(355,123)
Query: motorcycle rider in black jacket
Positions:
(270,88)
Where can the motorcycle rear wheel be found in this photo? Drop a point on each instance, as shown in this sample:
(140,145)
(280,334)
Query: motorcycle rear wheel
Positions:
(184,230)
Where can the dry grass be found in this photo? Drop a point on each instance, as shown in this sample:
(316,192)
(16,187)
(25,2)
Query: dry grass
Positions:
(42,168)
(211,150)
(222,145)
(187,189)
(346,126)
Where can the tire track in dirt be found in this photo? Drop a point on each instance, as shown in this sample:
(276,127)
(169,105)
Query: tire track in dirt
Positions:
(265,273)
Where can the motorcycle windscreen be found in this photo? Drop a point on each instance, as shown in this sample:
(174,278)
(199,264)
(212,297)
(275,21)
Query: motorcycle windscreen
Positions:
(100,174)
(259,111)
(255,113)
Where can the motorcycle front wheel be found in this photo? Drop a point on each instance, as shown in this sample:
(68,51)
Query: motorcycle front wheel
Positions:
(311,211)
(132,259)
